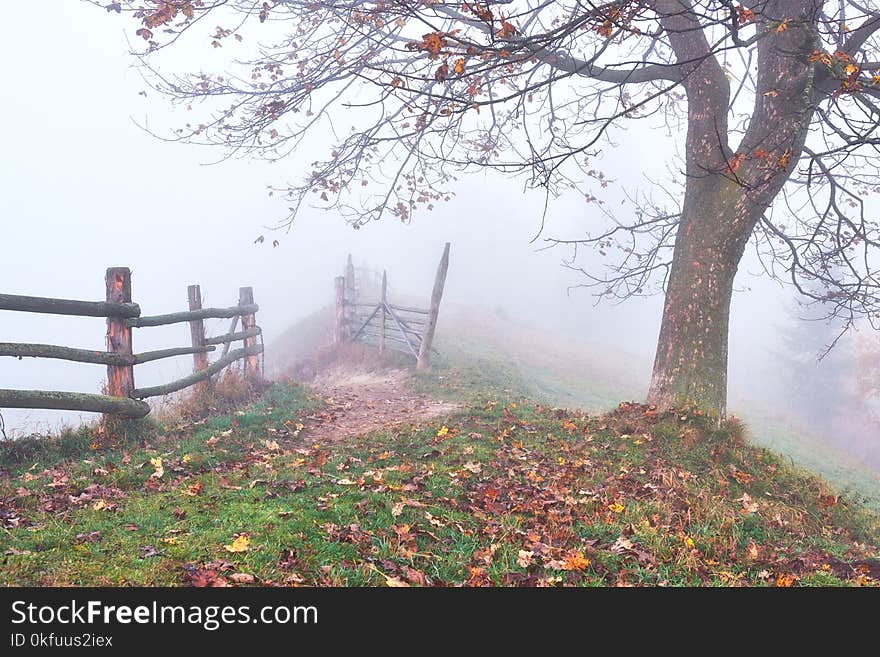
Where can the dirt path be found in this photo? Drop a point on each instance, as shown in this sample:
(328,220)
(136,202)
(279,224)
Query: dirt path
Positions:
(361,402)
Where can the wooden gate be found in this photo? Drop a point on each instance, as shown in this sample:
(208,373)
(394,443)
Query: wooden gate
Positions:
(385,324)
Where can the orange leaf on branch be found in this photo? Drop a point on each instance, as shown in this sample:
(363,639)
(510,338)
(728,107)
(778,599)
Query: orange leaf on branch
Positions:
(507,30)
(432,43)
(744,15)
(784,159)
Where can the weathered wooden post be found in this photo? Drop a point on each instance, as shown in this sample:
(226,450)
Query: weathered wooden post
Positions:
(232,328)
(339,327)
(120,378)
(424,360)
(197,333)
(384,311)
(248,322)
(350,291)
(350,297)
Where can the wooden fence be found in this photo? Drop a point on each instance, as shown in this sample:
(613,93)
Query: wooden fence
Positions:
(384,324)
(121,396)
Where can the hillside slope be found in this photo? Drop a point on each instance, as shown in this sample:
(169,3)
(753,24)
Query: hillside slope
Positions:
(502,491)
(482,349)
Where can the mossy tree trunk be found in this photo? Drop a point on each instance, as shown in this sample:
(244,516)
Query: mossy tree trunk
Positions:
(690,366)
(727,192)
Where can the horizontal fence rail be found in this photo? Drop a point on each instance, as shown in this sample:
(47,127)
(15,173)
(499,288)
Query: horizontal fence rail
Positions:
(234,337)
(159,354)
(122,397)
(74,401)
(190,315)
(47,306)
(22,350)
(196,377)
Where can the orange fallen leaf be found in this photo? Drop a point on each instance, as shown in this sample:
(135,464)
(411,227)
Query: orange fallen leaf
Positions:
(575,561)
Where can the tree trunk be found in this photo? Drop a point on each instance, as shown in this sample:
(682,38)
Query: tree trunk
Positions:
(690,368)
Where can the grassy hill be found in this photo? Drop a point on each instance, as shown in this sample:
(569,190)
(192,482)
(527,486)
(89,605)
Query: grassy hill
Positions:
(503,492)
(480,349)
(508,490)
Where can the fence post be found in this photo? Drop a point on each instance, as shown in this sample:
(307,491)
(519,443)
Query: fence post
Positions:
(249,321)
(424,360)
(350,291)
(197,332)
(120,378)
(350,295)
(339,327)
(384,310)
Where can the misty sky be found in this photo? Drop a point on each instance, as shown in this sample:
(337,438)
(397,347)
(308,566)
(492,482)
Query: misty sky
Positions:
(82,188)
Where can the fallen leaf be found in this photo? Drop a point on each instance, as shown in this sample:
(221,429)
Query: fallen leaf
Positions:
(193,489)
(828,501)
(88,537)
(242,578)
(576,561)
(15,552)
(395,582)
(417,577)
(742,477)
(242,543)
(524,558)
(748,505)
(621,545)
(752,550)
(786,580)
(287,559)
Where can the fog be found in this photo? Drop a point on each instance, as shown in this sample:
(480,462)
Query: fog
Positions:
(83,188)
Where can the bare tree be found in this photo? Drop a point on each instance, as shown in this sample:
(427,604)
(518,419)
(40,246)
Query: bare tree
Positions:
(779,100)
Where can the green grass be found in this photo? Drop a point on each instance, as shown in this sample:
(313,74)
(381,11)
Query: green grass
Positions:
(506,492)
(481,362)
(481,352)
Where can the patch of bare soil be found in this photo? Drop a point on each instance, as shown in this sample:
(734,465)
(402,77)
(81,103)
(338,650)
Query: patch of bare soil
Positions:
(359,402)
